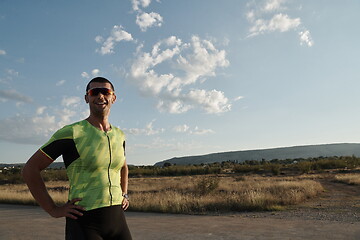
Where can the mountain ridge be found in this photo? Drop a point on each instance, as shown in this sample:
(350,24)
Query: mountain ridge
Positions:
(281,153)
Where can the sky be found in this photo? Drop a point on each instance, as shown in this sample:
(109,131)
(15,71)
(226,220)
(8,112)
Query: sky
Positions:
(191,77)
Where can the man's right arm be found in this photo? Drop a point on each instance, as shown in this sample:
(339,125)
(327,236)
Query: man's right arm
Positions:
(31,174)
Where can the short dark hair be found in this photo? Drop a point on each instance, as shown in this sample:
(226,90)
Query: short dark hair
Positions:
(99,80)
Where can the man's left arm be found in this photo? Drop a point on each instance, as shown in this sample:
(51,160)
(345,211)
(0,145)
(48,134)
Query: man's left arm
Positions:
(124,184)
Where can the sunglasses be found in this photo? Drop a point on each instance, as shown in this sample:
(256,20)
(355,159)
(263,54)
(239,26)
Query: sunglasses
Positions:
(103,91)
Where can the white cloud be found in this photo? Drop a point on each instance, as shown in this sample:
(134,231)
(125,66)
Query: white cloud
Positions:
(85,75)
(212,101)
(2,52)
(181,128)
(148,130)
(268,17)
(142,3)
(60,83)
(173,106)
(146,20)
(305,38)
(70,101)
(198,131)
(117,35)
(66,115)
(190,63)
(11,73)
(37,130)
(42,123)
(273,5)
(142,68)
(238,98)
(279,22)
(99,39)
(14,95)
(250,15)
(95,72)
(40,110)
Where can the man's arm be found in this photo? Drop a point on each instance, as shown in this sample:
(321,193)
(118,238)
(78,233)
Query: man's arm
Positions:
(31,174)
(124,184)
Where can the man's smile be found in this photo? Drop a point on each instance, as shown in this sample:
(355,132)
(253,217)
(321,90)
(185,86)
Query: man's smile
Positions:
(100,103)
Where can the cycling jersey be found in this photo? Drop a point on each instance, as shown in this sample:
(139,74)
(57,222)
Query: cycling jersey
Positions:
(93,161)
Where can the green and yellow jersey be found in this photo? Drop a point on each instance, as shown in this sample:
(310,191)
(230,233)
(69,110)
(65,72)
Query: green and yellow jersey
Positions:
(93,161)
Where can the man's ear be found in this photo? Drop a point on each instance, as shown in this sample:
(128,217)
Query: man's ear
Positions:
(86,99)
(113,98)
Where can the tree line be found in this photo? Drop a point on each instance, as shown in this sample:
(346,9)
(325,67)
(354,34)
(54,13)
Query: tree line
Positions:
(273,167)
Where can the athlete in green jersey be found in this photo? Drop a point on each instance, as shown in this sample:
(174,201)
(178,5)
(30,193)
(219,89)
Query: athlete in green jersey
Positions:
(93,159)
(94,155)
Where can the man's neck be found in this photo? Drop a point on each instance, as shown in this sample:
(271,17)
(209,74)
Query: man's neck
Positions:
(100,123)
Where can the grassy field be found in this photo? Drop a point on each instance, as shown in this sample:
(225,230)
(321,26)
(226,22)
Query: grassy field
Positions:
(20,194)
(352,179)
(195,194)
(202,194)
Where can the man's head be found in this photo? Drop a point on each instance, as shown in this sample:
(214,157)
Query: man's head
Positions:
(99,80)
(100,96)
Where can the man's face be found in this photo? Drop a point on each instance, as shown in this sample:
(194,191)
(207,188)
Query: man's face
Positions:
(99,99)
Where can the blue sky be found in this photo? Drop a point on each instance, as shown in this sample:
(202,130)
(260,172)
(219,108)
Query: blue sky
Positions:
(191,77)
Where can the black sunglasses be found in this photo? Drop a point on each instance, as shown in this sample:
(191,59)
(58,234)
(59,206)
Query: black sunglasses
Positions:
(103,91)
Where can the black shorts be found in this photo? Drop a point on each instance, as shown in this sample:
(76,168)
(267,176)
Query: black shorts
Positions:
(106,223)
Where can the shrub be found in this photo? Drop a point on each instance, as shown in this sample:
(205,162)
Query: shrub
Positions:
(304,167)
(246,168)
(207,185)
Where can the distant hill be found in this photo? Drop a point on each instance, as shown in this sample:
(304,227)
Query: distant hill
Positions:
(325,150)
(52,165)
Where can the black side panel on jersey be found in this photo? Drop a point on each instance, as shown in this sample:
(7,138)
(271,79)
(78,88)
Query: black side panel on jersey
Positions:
(64,147)
(124,148)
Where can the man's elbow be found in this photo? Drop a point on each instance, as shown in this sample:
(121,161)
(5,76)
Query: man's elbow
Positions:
(125,169)
(26,172)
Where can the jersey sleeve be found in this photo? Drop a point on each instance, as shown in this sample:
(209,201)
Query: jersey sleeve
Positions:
(59,144)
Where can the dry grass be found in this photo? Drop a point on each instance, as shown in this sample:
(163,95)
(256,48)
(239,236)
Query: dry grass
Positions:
(184,195)
(19,193)
(352,179)
(195,194)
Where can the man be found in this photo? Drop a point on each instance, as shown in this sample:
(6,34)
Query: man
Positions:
(94,156)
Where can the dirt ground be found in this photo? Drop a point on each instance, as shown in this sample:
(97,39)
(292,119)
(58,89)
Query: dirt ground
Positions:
(333,215)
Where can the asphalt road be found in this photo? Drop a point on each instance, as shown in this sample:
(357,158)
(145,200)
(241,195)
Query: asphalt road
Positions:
(30,222)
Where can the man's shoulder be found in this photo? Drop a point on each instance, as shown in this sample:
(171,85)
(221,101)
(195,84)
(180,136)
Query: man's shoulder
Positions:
(117,130)
(68,129)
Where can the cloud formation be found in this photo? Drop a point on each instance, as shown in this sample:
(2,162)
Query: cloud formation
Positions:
(2,52)
(15,95)
(146,20)
(60,83)
(279,22)
(196,131)
(268,17)
(181,128)
(190,63)
(143,19)
(117,35)
(41,124)
(147,131)
(305,38)
(95,72)
(136,4)
(37,130)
